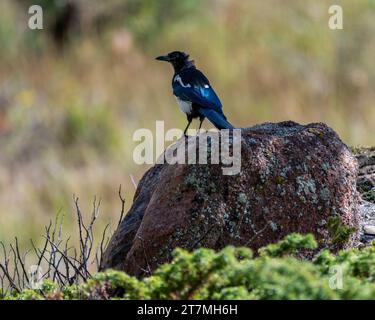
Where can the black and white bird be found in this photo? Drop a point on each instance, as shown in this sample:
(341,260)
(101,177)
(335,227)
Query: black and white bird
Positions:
(194,93)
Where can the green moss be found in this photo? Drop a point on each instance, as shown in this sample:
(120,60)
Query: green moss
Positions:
(339,232)
(369,196)
(316,131)
(279,180)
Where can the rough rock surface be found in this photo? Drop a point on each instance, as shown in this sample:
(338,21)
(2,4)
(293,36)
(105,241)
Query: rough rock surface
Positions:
(366,174)
(366,187)
(367,214)
(294,178)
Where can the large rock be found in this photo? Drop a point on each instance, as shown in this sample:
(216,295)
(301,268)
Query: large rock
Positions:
(294,178)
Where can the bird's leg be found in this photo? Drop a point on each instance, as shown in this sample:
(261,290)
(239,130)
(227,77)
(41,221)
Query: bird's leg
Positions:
(201,119)
(189,121)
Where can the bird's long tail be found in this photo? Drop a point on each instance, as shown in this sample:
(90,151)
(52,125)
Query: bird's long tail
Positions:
(217,119)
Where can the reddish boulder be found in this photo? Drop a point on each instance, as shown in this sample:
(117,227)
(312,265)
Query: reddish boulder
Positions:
(293,178)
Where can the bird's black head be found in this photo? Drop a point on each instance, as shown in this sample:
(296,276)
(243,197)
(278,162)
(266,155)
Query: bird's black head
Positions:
(178,59)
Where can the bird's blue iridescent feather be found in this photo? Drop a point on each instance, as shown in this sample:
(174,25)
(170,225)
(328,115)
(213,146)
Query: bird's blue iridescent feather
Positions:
(193,86)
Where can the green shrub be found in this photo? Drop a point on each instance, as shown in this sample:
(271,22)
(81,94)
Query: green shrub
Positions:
(289,245)
(233,273)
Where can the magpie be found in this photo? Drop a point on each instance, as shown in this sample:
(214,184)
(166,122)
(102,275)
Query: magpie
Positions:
(194,93)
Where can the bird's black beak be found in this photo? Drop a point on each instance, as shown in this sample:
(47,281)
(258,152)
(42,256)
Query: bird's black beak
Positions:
(163,58)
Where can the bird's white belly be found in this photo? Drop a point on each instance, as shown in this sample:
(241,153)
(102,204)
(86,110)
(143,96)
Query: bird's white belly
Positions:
(185,106)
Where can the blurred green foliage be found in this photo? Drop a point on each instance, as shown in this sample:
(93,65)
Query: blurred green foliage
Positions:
(289,245)
(94,129)
(233,273)
(67,114)
(148,19)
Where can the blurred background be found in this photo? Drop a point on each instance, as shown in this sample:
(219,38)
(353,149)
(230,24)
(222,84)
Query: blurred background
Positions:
(72,94)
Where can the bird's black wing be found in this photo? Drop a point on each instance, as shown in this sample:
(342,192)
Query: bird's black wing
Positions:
(191,85)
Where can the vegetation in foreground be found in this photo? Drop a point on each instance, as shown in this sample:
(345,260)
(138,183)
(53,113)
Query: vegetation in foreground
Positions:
(67,117)
(234,273)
